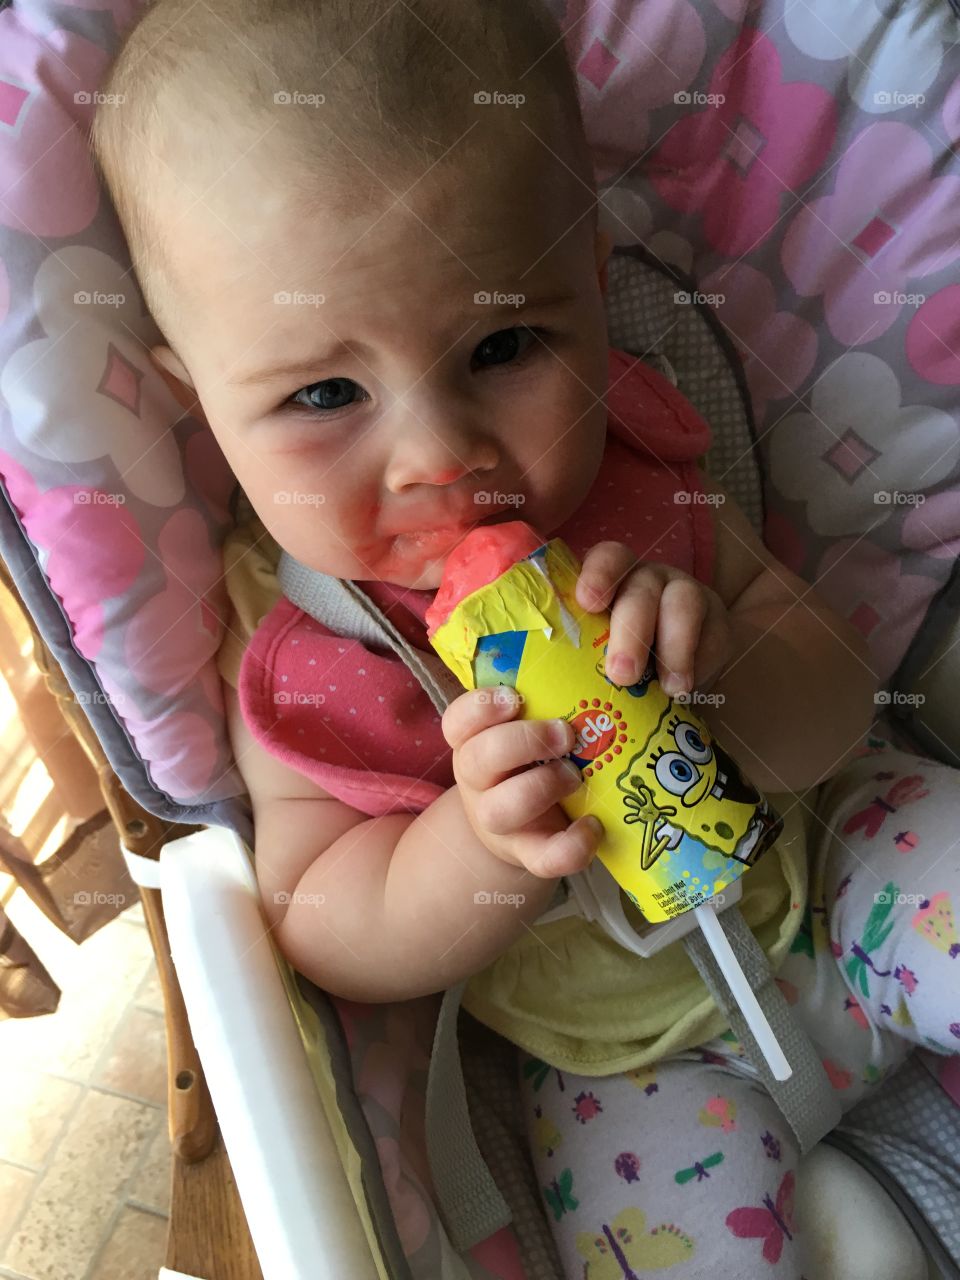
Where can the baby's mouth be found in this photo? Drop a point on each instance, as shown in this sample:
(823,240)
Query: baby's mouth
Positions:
(454,530)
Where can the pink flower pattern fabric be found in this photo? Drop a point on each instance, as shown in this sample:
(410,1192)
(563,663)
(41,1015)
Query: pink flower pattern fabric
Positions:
(738,161)
(933,338)
(778,349)
(607,42)
(101,467)
(881,231)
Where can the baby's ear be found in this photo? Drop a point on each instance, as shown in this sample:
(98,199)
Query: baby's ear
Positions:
(174,373)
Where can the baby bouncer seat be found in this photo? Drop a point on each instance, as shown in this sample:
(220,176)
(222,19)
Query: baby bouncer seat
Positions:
(779,180)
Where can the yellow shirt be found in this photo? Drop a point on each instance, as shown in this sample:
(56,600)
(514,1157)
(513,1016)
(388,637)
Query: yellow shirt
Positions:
(566,991)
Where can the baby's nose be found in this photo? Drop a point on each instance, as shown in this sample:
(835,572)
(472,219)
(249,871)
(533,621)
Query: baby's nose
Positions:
(432,460)
(448,476)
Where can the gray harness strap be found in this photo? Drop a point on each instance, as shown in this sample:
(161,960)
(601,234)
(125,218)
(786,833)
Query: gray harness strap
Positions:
(807,1100)
(340,605)
(470,1202)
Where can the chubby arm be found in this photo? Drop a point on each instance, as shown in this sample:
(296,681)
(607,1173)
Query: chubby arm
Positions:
(383,908)
(798,688)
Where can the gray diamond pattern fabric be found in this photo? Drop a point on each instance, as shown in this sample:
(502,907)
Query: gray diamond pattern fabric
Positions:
(644,319)
(490,1071)
(911,1130)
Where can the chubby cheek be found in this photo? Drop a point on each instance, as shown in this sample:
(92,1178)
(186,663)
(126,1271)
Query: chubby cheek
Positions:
(312,515)
(563,458)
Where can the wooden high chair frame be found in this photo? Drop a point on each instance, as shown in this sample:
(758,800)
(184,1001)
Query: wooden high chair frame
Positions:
(207,1236)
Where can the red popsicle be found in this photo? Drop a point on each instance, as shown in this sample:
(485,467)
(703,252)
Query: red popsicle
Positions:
(483,555)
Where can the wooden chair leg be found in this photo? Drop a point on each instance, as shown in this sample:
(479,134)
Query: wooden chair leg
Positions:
(192,1121)
(208,1236)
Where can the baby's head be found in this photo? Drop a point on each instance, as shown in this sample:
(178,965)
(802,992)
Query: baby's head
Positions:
(368,232)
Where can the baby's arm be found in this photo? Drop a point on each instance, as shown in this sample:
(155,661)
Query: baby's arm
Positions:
(383,908)
(798,690)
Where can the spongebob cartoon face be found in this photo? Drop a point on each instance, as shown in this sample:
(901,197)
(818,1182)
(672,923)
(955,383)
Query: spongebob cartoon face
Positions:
(681,781)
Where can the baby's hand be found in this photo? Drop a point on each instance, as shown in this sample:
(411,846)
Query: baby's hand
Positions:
(654,604)
(517,814)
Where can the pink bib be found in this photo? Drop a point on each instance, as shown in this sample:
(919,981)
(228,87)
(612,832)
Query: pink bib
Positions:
(355,720)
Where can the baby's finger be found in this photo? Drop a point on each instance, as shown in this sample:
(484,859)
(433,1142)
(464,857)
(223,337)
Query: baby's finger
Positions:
(478,709)
(604,568)
(716,645)
(486,759)
(633,625)
(570,850)
(683,610)
(514,803)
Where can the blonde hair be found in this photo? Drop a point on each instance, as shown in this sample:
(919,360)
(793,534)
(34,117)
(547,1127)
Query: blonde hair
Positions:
(399,81)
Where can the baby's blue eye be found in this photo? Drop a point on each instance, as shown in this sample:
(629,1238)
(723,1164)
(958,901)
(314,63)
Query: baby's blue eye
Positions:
(504,345)
(332,393)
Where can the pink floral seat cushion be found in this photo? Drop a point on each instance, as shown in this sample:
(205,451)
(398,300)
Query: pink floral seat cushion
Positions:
(115,489)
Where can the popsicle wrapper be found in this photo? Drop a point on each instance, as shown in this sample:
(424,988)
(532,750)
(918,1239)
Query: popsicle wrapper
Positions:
(681,822)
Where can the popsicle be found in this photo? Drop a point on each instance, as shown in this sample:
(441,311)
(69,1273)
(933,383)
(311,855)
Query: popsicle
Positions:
(681,822)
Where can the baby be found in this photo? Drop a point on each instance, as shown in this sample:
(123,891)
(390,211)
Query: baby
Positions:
(369,234)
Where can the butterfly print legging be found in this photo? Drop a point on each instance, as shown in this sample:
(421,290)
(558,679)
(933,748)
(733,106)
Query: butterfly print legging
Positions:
(687,1166)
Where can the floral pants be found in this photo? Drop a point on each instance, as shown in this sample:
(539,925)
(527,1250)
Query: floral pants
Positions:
(688,1166)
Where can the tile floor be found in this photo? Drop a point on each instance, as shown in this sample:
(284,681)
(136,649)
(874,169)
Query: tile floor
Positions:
(84,1154)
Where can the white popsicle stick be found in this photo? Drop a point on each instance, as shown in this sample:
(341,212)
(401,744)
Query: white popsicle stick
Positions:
(742,992)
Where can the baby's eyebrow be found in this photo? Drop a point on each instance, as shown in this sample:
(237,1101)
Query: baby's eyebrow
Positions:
(305,368)
(297,368)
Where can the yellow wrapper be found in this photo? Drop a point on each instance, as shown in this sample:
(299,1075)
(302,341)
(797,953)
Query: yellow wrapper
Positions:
(681,822)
